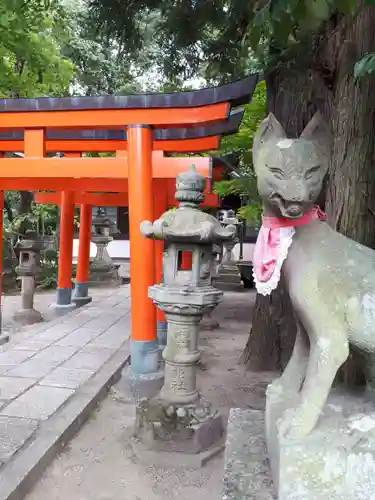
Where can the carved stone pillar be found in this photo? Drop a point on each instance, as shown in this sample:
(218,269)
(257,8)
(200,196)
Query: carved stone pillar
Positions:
(27,270)
(178,419)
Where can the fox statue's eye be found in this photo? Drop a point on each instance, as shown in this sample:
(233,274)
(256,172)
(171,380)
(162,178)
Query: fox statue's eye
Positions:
(312,171)
(277,172)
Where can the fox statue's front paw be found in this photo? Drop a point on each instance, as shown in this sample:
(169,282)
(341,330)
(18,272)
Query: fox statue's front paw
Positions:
(297,423)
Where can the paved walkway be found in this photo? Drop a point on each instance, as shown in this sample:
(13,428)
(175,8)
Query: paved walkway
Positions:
(45,365)
(100,463)
(43,299)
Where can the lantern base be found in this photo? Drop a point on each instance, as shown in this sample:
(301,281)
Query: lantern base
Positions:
(187,429)
(27,316)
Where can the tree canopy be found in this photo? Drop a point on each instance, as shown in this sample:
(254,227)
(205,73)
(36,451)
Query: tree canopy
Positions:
(31,62)
(220,38)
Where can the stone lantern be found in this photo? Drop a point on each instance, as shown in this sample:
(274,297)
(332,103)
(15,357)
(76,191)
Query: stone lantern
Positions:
(102,269)
(178,419)
(228,272)
(29,249)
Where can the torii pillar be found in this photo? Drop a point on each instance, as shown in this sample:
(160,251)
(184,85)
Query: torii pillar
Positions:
(145,359)
(64,301)
(81,290)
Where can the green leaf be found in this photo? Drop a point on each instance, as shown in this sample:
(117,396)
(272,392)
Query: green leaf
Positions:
(319,9)
(347,6)
(370,2)
(254,36)
(282,29)
(365,66)
(261,17)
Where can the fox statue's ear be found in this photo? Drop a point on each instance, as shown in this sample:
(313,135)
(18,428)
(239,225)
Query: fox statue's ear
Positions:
(270,128)
(317,131)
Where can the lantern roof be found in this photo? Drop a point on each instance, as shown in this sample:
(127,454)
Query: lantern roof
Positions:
(188,224)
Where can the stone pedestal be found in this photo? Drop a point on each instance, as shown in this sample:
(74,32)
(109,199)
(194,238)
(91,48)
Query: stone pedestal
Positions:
(29,266)
(335,462)
(246,471)
(178,419)
(185,429)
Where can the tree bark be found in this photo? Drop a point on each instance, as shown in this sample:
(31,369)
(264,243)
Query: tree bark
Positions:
(351,182)
(349,198)
(273,330)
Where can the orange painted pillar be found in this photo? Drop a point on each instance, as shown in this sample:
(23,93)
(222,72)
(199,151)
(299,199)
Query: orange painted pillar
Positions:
(64,281)
(160,206)
(81,289)
(3,338)
(144,345)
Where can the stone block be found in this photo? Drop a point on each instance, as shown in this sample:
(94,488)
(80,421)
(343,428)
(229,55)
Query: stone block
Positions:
(38,403)
(33,345)
(104,321)
(80,337)
(14,357)
(112,339)
(89,359)
(14,432)
(11,387)
(65,377)
(175,460)
(31,368)
(336,461)
(177,429)
(53,334)
(55,354)
(247,475)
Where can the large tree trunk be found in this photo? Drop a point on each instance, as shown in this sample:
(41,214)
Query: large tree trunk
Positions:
(351,185)
(350,193)
(293,96)
(273,331)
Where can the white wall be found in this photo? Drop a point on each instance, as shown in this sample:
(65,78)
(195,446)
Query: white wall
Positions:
(119,250)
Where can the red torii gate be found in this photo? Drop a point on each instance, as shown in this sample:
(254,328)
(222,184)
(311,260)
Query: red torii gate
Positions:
(139,115)
(164,198)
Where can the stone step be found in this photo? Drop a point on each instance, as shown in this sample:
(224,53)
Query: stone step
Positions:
(229,278)
(247,475)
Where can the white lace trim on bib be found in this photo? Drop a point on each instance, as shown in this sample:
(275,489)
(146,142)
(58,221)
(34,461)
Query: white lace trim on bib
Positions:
(286,239)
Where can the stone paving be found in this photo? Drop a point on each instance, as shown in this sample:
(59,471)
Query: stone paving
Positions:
(100,463)
(42,367)
(42,301)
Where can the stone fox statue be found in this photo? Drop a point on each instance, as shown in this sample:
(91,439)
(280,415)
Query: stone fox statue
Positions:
(330,278)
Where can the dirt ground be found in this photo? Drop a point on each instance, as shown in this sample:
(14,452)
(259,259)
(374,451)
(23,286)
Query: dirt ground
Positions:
(99,463)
